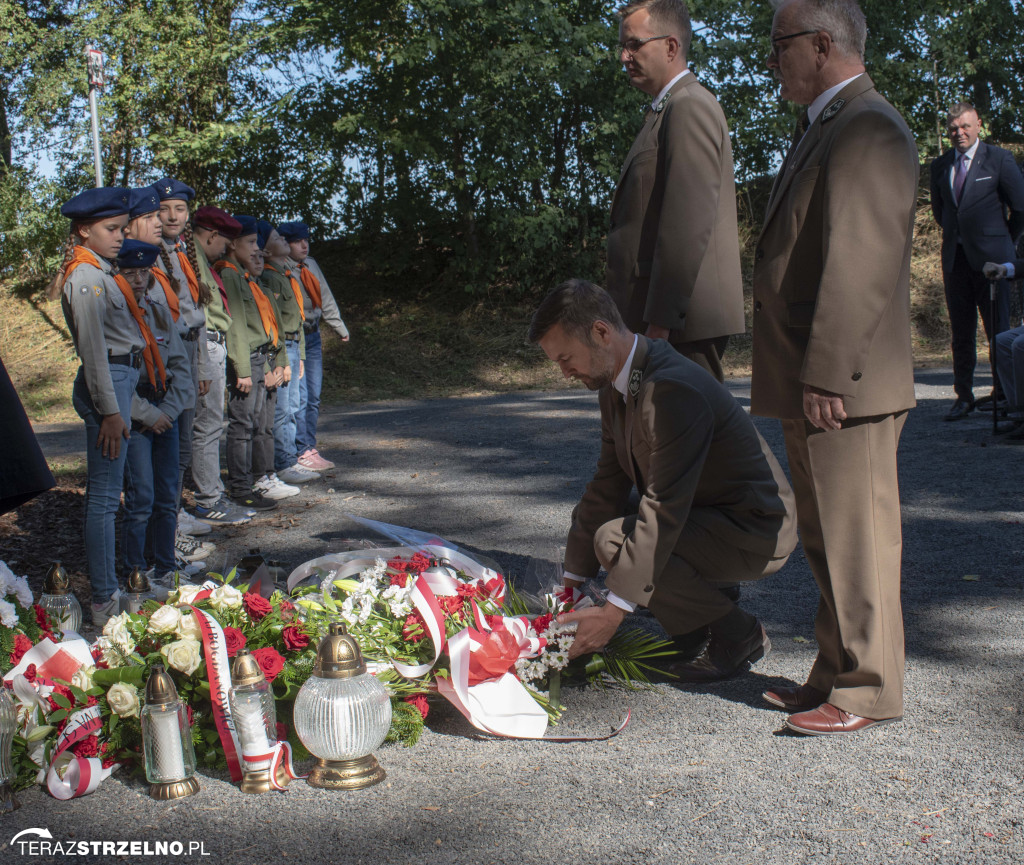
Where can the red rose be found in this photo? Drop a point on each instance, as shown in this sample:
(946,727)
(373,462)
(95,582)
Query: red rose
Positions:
(419,702)
(287,610)
(234,640)
(109,761)
(21,645)
(30,672)
(88,747)
(282,731)
(541,623)
(256,606)
(294,639)
(270,661)
(41,618)
(414,628)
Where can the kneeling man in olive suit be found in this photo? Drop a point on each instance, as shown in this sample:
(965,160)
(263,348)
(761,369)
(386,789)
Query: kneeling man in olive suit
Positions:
(715,507)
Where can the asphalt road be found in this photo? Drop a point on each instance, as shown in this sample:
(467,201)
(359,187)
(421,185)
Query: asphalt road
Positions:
(702,774)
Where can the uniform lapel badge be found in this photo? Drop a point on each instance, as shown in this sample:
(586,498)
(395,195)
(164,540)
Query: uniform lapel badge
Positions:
(97,290)
(832,110)
(661,103)
(634,382)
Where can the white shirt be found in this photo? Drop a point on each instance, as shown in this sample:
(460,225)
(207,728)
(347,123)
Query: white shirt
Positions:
(666,88)
(620,383)
(968,156)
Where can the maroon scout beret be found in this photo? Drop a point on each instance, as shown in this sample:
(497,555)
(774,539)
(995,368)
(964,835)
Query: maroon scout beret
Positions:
(215,219)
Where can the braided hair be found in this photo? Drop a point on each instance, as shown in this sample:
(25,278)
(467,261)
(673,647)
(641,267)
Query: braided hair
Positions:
(165,260)
(205,296)
(54,288)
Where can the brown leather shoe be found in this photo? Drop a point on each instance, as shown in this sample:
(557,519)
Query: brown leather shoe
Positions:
(721,659)
(797,699)
(827,720)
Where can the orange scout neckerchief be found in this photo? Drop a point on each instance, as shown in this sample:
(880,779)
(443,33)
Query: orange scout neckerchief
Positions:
(190,275)
(266,310)
(312,286)
(151,353)
(169,293)
(295,288)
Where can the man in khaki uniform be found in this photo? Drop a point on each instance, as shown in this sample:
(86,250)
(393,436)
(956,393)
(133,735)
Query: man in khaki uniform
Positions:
(715,507)
(673,247)
(832,355)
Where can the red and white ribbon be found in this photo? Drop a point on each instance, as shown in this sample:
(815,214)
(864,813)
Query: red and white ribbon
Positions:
(279,757)
(218,669)
(425,603)
(83,774)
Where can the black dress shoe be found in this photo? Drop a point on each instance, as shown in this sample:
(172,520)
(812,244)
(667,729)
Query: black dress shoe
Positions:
(1010,427)
(961,408)
(722,659)
(1013,438)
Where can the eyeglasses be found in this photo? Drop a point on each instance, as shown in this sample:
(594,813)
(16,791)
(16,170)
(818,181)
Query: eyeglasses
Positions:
(631,46)
(773,43)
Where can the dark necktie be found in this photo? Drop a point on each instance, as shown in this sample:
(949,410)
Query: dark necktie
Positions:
(960,176)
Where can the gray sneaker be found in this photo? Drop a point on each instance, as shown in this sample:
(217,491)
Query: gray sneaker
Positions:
(297,475)
(102,613)
(222,513)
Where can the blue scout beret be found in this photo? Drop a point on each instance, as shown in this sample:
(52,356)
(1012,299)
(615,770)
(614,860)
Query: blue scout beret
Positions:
(293,231)
(97,203)
(250,225)
(263,229)
(135,253)
(142,201)
(168,187)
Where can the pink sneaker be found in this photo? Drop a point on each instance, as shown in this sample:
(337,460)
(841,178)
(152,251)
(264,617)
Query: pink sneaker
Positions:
(311,459)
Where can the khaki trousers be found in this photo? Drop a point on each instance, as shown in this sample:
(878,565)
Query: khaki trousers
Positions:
(706,353)
(686,593)
(848,513)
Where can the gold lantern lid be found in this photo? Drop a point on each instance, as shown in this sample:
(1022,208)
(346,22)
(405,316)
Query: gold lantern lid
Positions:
(137,584)
(160,688)
(338,656)
(245,670)
(57,580)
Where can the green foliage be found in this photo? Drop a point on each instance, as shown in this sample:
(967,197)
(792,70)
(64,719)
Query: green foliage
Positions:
(406,724)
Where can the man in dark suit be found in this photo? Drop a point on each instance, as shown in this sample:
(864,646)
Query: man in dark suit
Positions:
(715,507)
(673,245)
(978,199)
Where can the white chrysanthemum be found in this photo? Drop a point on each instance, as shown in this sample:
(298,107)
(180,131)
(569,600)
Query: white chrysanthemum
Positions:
(22,592)
(7,579)
(8,614)
(556,660)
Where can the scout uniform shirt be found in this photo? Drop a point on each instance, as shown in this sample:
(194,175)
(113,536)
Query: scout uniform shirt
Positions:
(101,325)
(191,313)
(247,333)
(180,392)
(282,282)
(218,318)
(328,309)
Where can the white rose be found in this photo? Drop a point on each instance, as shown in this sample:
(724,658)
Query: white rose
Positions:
(164,620)
(83,678)
(8,614)
(22,592)
(183,655)
(225,598)
(113,651)
(187,594)
(124,700)
(188,628)
(117,629)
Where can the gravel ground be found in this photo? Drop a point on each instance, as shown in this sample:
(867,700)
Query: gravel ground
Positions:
(702,774)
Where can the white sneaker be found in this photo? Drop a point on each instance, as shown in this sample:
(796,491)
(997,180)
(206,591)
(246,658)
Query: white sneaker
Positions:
(189,525)
(297,474)
(272,488)
(104,612)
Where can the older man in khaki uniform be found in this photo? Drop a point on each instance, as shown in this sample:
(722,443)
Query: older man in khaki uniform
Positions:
(673,246)
(832,355)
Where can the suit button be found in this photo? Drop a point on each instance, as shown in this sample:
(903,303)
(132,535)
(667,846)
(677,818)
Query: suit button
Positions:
(856,376)
(648,588)
(759,254)
(757,306)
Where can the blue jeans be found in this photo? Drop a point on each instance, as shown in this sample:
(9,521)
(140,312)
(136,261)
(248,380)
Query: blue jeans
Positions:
(151,497)
(103,480)
(309,405)
(288,400)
